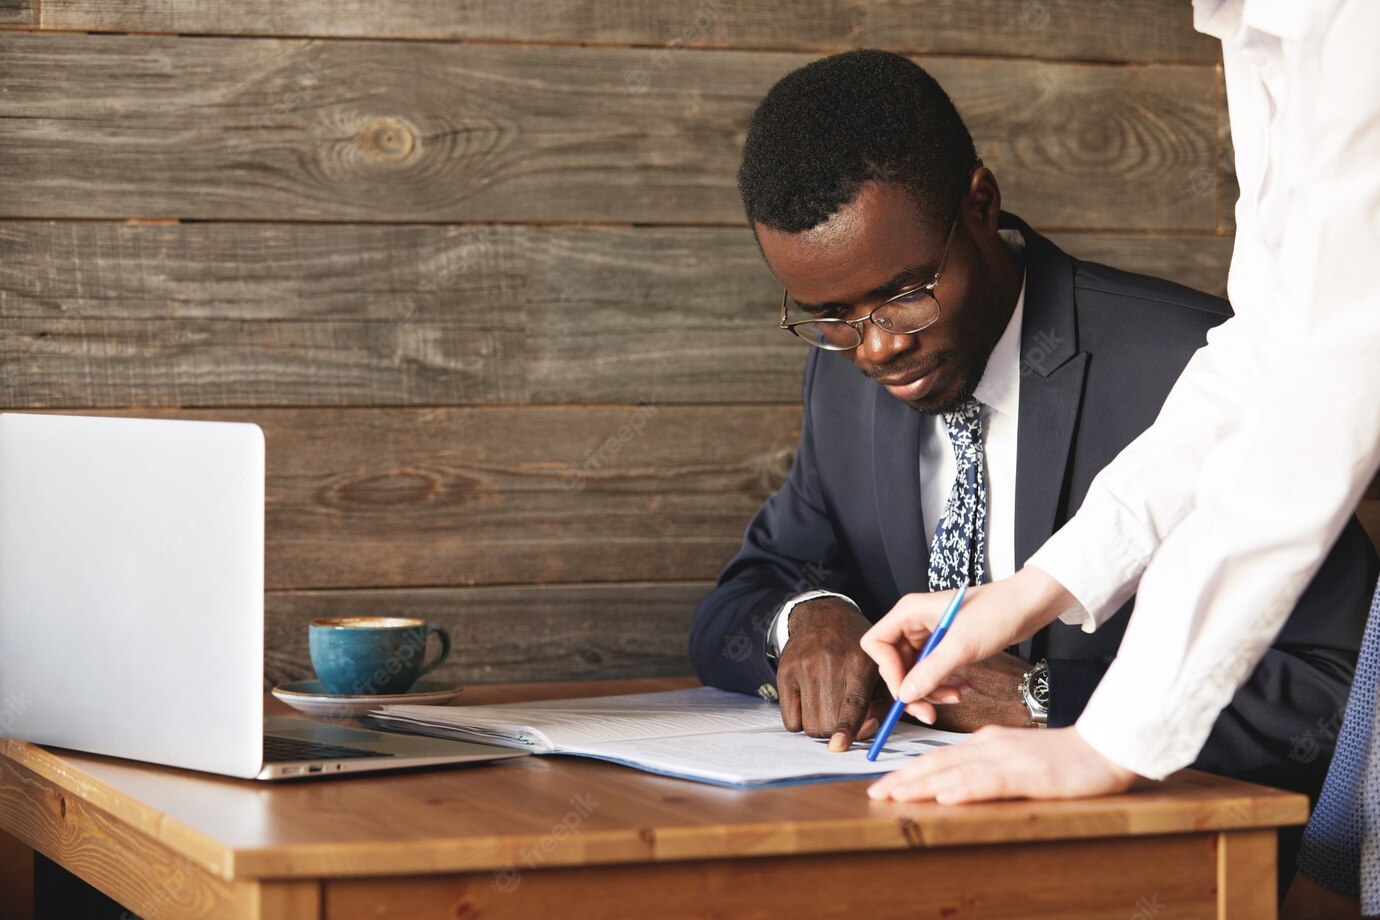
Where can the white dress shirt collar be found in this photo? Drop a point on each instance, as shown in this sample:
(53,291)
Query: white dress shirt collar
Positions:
(1000,387)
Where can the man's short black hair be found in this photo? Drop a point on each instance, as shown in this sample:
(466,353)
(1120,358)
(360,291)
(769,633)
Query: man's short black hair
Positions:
(831,126)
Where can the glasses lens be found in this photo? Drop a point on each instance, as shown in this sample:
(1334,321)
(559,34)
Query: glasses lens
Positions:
(831,336)
(907,313)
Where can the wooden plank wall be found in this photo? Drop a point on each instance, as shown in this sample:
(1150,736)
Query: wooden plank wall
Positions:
(479,271)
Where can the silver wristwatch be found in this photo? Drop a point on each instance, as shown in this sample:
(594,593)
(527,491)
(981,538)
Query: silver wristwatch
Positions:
(1035,693)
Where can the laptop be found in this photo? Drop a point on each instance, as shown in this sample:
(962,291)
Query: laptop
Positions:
(131,604)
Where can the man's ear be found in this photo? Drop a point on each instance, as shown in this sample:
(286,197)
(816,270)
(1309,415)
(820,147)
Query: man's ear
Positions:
(982,206)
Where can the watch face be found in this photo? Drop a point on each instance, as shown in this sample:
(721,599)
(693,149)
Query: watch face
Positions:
(1039,689)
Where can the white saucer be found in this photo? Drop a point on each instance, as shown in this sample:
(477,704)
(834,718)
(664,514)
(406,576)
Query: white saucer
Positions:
(310,697)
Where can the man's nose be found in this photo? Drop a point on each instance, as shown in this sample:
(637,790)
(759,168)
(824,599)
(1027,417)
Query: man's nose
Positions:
(879,346)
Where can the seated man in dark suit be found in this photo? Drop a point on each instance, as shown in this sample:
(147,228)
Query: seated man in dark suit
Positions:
(998,376)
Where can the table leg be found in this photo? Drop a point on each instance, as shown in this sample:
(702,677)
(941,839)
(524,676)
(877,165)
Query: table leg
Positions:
(16,879)
(1246,875)
(290,900)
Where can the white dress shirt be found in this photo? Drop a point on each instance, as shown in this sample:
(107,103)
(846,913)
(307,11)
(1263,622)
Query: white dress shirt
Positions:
(1225,508)
(999,393)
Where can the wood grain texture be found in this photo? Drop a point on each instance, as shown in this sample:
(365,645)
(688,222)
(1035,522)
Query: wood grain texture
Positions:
(1244,861)
(509,634)
(1101,880)
(103,314)
(16,879)
(116,856)
(297,900)
(387,498)
(18,13)
(1129,30)
(360,498)
(215,128)
(471,820)
(1228,190)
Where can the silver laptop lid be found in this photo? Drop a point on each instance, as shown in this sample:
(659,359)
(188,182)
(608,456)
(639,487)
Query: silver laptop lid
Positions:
(131,588)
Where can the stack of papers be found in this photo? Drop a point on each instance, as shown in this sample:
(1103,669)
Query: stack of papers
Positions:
(702,734)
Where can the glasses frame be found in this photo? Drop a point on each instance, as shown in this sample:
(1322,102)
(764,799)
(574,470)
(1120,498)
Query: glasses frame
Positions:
(857,324)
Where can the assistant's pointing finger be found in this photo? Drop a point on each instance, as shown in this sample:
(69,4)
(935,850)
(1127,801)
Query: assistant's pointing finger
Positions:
(936,669)
(891,665)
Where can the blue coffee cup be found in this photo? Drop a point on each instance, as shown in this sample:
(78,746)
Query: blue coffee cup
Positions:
(367,656)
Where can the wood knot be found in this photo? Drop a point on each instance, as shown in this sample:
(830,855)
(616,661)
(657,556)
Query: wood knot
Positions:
(391,488)
(387,139)
(62,805)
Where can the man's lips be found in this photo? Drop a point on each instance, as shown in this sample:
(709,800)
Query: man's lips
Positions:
(913,385)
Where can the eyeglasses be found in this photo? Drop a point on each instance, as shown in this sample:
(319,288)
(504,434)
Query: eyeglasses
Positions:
(912,310)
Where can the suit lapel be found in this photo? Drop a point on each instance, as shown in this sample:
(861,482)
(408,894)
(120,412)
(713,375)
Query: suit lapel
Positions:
(896,485)
(1048,417)
(1052,378)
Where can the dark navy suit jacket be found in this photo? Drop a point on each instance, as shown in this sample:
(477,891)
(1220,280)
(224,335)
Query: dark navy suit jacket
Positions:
(1100,351)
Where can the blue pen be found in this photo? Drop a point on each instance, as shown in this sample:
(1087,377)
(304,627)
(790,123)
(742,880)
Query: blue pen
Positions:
(899,707)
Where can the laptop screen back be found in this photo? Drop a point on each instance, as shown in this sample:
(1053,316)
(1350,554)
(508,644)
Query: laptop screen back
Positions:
(131,588)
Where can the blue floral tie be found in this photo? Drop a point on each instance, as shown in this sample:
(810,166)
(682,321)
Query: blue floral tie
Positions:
(959,552)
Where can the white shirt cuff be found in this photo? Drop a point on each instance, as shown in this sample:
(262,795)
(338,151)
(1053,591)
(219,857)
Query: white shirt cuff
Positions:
(778,633)
(1093,564)
(1131,731)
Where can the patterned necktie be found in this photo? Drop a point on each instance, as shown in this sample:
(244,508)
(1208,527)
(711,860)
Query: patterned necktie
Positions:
(959,551)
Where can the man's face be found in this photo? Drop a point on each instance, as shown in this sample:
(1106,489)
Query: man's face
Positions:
(869,250)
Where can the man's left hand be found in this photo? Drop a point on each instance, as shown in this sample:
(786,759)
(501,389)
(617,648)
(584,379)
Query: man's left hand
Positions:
(1006,763)
(992,697)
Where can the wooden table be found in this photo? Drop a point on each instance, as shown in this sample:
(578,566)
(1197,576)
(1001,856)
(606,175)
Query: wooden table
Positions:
(575,838)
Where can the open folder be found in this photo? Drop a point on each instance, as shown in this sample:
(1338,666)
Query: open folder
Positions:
(702,734)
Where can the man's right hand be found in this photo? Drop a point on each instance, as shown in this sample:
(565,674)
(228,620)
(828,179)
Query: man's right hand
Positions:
(829,688)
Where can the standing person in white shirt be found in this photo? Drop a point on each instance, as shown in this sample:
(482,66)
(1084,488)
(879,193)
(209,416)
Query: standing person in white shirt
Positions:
(1219,514)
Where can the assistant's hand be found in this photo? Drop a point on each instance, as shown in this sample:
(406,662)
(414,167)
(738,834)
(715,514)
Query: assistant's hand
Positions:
(828,686)
(993,616)
(1006,763)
